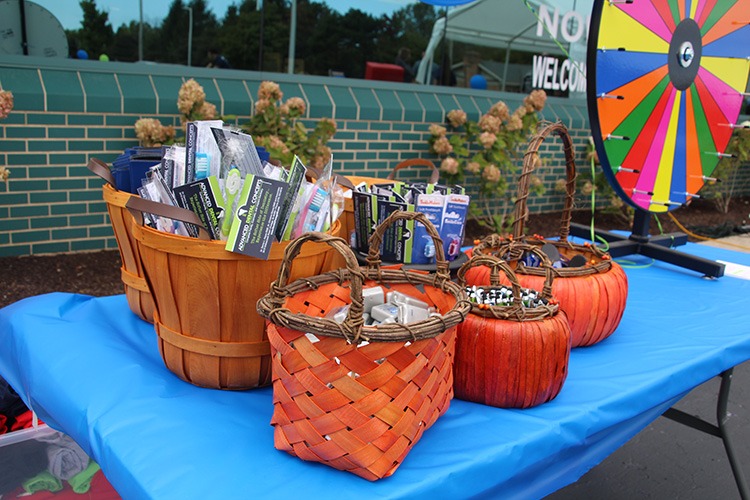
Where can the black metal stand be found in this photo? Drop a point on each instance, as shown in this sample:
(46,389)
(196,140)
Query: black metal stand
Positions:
(657,247)
(722,415)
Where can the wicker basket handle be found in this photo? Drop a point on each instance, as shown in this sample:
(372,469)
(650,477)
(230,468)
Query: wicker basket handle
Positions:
(514,249)
(373,259)
(101,169)
(496,265)
(434,176)
(521,211)
(137,206)
(276,295)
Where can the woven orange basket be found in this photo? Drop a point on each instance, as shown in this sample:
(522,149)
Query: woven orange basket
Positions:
(511,356)
(209,332)
(355,397)
(131,273)
(594,295)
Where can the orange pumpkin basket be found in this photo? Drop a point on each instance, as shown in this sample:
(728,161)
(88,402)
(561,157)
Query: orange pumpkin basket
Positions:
(514,355)
(131,273)
(355,397)
(594,295)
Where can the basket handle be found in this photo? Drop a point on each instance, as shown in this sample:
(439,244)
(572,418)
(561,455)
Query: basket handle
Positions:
(521,211)
(373,258)
(137,206)
(434,176)
(101,169)
(496,265)
(514,249)
(276,295)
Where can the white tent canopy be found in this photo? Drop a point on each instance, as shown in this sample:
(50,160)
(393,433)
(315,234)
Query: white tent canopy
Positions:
(490,23)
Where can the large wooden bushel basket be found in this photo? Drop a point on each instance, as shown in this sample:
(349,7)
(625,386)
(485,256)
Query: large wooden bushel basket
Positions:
(131,273)
(209,331)
(511,356)
(354,397)
(593,296)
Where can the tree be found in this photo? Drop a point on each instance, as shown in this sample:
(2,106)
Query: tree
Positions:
(173,34)
(96,34)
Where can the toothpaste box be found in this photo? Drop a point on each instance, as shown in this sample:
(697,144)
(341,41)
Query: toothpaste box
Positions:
(257,214)
(204,198)
(453,224)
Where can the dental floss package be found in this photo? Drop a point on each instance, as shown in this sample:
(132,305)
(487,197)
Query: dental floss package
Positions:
(204,198)
(257,214)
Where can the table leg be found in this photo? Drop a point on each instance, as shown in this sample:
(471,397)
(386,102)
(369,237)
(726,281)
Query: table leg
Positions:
(722,416)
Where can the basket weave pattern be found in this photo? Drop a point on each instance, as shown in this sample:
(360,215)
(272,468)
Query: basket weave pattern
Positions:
(355,397)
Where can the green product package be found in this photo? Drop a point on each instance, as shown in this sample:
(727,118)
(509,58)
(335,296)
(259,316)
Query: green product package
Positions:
(257,214)
(204,198)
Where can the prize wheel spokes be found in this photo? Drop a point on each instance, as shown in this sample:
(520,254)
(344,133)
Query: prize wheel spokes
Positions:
(666,85)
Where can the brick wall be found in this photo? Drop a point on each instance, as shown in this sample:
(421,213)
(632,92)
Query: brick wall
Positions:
(67,111)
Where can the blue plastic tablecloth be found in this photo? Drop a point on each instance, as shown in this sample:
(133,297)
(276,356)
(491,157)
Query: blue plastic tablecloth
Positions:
(92,369)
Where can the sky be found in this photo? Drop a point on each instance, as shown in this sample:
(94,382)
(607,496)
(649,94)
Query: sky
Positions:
(69,12)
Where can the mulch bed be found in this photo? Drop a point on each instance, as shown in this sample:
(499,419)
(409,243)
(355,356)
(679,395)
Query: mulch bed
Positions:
(98,273)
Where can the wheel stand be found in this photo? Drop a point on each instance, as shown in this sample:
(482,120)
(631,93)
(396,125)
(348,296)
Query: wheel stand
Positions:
(657,247)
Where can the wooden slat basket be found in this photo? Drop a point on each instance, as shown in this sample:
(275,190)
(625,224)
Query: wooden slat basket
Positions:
(512,356)
(355,397)
(131,273)
(593,296)
(209,331)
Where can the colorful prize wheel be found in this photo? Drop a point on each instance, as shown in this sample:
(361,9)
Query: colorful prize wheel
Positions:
(666,85)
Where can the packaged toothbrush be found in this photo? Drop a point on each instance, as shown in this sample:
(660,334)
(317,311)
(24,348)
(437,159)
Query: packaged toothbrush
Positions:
(422,247)
(232,187)
(365,218)
(153,190)
(254,222)
(453,224)
(296,176)
(398,234)
(237,150)
(314,211)
(204,198)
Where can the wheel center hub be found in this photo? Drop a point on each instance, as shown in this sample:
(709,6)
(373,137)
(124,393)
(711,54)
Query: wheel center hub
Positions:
(685,51)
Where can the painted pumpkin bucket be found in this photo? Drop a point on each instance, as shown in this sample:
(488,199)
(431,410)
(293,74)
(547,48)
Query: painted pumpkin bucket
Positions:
(592,295)
(131,273)
(209,332)
(512,351)
(358,398)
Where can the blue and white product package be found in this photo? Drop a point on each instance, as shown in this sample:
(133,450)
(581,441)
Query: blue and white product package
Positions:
(453,224)
(258,210)
(422,246)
